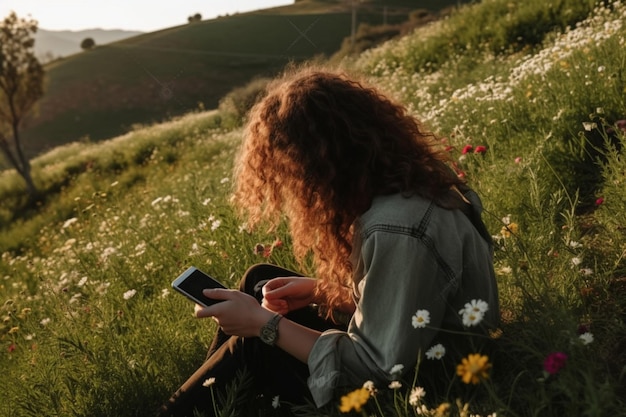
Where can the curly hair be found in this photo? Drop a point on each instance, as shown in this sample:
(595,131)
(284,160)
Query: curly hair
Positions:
(318,147)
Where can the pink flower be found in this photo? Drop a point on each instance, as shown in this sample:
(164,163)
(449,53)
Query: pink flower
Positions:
(599,201)
(480,149)
(518,159)
(466,149)
(554,362)
(12,347)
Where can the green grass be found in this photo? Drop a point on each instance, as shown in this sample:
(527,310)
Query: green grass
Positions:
(131,213)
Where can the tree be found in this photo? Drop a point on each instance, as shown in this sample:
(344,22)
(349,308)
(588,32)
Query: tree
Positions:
(21,85)
(87,44)
(195,18)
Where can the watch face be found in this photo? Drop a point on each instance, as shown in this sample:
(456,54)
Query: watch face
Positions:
(268,334)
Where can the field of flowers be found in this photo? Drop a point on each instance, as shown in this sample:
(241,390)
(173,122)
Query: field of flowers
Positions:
(90,326)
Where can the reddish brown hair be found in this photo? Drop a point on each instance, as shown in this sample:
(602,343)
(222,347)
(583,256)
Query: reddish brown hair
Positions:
(319,146)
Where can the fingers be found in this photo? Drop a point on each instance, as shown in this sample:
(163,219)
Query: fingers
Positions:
(215,294)
(274,284)
(277,306)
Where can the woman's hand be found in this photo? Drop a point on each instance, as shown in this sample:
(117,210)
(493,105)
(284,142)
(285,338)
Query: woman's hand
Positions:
(286,294)
(239,314)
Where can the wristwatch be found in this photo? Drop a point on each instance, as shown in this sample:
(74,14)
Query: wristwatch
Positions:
(269,331)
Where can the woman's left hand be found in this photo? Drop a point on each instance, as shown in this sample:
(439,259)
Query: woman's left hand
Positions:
(239,314)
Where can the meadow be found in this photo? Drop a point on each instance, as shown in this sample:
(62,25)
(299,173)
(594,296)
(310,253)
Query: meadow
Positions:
(530,100)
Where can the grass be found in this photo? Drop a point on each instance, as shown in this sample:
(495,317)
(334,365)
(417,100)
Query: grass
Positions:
(89,326)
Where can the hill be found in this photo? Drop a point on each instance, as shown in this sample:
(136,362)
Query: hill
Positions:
(53,44)
(149,78)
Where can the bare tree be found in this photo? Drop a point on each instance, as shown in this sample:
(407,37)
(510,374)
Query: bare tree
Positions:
(21,85)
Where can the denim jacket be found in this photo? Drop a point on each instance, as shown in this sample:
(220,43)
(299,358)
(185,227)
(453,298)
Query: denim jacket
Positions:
(409,255)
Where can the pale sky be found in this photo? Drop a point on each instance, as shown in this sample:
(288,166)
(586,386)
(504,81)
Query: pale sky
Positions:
(141,15)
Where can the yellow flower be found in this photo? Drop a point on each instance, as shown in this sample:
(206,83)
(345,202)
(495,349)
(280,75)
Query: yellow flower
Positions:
(508,229)
(474,368)
(354,400)
(443,410)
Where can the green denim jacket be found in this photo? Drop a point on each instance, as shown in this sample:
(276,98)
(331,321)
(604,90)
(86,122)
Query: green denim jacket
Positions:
(409,255)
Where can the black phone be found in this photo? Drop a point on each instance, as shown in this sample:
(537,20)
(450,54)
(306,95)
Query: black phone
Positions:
(191,283)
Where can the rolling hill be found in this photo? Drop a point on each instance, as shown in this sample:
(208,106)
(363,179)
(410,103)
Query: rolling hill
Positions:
(52,44)
(149,78)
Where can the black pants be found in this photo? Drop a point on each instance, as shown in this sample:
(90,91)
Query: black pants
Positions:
(268,371)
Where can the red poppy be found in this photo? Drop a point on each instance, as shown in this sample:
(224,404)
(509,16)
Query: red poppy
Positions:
(599,201)
(480,149)
(554,362)
(466,149)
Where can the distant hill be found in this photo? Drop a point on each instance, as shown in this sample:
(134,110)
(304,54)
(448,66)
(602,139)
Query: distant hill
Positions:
(50,44)
(148,78)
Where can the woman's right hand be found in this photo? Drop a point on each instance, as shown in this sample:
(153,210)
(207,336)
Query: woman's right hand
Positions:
(286,294)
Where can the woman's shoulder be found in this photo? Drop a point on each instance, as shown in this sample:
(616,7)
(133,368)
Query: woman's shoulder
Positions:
(396,209)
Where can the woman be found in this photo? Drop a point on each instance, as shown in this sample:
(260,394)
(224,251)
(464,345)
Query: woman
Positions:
(395,236)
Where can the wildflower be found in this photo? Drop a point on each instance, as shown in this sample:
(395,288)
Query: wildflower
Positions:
(417,393)
(82,281)
(45,322)
(589,126)
(443,410)
(129,294)
(69,222)
(509,229)
(102,288)
(586,271)
(437,351)
(420,319)
(215,224)
(395,385)
(518,160)
(477,306)
(208,382)
(165,292)
(354,400)
(599,201)
(576,261)
(369,385)
(224,181)
(474,368)
(506,219)
(586,338)
(396,369)
(574,245)
(554,362)
(422,410)
(276,402)
(472,318)
(14,329)
(467,149)
(480,149)
(12,347)
(505,270)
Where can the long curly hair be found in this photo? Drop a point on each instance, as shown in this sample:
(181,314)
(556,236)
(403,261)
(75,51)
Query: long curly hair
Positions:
(318,147)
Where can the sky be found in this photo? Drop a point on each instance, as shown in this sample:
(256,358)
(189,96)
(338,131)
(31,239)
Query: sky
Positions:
(140,15)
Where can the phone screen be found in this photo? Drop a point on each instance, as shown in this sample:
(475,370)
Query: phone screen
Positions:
(191,283)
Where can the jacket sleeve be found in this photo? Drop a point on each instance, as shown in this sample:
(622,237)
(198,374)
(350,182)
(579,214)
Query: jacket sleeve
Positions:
(402,274)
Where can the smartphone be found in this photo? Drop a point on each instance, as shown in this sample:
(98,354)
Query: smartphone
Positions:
(191,283)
